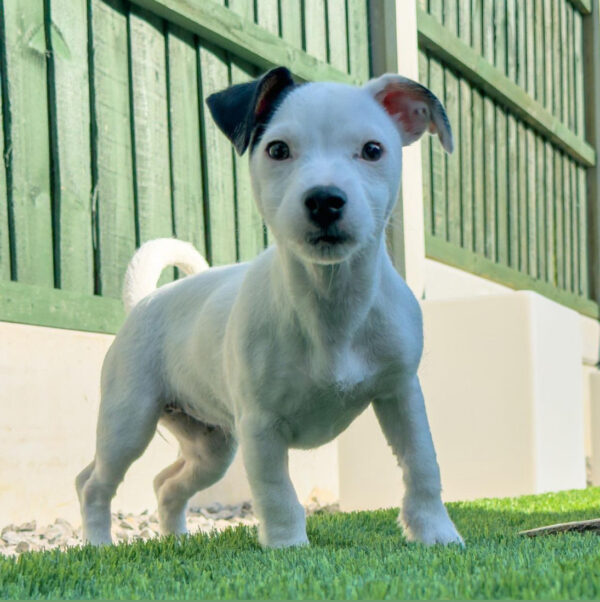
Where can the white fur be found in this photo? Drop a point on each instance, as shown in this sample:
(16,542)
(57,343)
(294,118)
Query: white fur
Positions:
(281,352)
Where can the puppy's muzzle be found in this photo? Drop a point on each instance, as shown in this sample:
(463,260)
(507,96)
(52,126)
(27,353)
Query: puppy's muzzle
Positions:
(325,205)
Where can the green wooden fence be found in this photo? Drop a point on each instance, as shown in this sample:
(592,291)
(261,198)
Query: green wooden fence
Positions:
(106,140)
(107,143)
(511,203)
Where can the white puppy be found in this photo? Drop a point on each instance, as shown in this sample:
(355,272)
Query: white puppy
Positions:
(286,350)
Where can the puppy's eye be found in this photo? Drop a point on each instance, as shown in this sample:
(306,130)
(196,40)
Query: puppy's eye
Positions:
(278,150)
(372,151)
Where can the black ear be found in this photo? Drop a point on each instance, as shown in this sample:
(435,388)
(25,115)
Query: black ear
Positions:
(240,109)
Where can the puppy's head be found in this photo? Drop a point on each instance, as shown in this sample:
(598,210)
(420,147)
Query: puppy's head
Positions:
(326,158)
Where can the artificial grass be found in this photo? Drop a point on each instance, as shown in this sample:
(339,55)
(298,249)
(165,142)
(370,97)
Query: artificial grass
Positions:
(352,556)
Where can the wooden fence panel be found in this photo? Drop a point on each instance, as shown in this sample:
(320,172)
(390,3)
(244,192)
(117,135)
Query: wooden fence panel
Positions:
(29,149)
(114,203)
(426,151)
(315,28)
(107,141)
(70,109)
(187,191)
(5,254)
(150,128)
(218,161)
(184,138)
(358,44)
(267,15)
(584,288)
(337,34)
(517,69)
(249,224)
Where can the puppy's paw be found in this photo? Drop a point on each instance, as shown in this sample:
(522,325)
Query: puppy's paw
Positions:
(429,526)
(282,539)
(97,540)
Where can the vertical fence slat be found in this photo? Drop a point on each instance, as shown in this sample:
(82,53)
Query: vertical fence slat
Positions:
(569,79)
(539,56)
(477,169)
(578,75)
(477,164)
(489,128)
(29,153)
(540,92)
(150,131)
(522,204)
(438,168)
(521,41)
(4,226)
(530,86)
(315,30)
(184,132)
(466,134)
(564,74)
(426,150)
(452,162)
(512,176)
(68,43)
(249,220)
(582,196)
(531,203)
(476,33)
(218,160)
(511,151)
(528,15)
(558,221)
(500,60)
(291,22)
(555,59)
(358,47)
(541,223)
(548,41)
(113,196)
(267,15)
(549,202)
(466,164)
(574,227)
(337,34)
(566,206)
(502,239)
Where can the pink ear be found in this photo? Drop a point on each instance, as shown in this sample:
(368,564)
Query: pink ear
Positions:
(413,107)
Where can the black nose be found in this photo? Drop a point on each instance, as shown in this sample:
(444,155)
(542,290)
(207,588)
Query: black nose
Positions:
(324,204)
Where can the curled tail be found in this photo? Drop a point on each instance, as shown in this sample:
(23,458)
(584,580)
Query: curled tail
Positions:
(151,259)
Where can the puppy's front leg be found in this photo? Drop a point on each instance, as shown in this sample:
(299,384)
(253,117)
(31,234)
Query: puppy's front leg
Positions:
(404,423)
(265,451)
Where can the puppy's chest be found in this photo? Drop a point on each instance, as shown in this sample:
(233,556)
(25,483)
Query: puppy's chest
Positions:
(316,407)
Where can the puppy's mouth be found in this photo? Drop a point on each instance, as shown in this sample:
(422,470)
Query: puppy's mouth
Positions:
(327,237)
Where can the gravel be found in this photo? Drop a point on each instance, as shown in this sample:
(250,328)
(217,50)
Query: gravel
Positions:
(28,537)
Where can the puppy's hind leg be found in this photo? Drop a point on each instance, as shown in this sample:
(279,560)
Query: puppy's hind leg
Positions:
(206,453)
(125,427)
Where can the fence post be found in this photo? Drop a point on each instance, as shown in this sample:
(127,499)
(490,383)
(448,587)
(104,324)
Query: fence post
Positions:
(591,37)
(394,49)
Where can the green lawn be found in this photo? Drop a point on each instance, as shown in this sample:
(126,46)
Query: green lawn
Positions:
(358,555)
